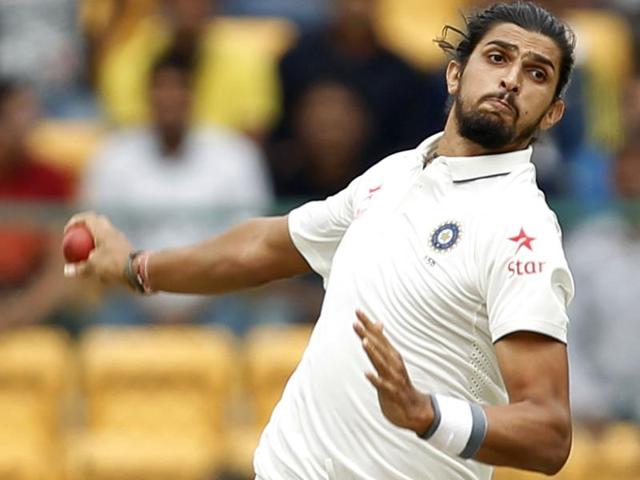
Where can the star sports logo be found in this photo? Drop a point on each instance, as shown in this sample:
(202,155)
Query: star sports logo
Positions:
(523,240)
(518,267)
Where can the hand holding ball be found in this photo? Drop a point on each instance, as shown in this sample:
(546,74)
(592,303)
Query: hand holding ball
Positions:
(77,243)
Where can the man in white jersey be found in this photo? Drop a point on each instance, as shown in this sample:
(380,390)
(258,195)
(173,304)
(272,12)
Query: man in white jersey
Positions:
(440,349)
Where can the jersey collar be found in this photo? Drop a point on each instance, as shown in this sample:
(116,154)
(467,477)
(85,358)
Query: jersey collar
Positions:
(466,169)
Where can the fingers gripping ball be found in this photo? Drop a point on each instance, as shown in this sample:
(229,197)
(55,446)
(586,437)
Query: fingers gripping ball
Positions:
(77,243)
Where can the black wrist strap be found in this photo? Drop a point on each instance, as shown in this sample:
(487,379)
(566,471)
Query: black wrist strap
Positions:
(133,279)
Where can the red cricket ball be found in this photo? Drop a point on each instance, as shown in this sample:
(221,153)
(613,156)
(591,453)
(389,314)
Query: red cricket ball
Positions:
(77,243)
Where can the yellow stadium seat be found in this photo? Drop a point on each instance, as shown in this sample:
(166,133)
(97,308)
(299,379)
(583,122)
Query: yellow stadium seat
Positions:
(605,45)
(158,383)
(409,26)
(620,452)
(100,18)
(109,456)
(584,457)
(35,369)
(35,372)
(241,442)
(271,355)
(270,36)
(20,461)
(40,355)
(235,83)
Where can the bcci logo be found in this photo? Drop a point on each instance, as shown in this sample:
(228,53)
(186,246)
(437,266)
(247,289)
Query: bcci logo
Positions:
(445,236)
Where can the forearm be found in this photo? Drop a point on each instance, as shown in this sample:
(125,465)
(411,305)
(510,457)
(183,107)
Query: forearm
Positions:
(248,255)
(527,436)
(533,432)
(522,435)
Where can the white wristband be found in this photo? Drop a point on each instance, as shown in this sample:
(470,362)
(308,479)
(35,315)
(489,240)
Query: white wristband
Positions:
(459,426)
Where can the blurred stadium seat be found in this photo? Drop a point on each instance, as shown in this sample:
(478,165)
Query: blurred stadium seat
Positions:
(270,355)
(23,462)
(242,441)
(35,374)
(271,36)
(99,17)
(605,47)
(409,26)
(621,452)
(236,82)
(122,457)
(154,393)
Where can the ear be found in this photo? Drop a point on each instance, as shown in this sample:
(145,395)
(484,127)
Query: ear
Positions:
(553,115)
(454,76)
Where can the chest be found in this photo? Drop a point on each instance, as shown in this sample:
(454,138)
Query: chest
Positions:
(413,246)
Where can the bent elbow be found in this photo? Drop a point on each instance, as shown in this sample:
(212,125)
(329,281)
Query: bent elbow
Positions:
(559,451)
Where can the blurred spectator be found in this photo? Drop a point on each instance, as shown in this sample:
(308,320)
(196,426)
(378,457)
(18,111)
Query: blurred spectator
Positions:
(31,289)
(605,258)
(604,254)
(405,105)
(173,184)
(631,10)
(330,134)
(40,43)
(632,109)
(234,86)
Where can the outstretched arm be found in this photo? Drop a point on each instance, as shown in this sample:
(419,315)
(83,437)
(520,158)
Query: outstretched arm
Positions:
(532,432)
(248,255)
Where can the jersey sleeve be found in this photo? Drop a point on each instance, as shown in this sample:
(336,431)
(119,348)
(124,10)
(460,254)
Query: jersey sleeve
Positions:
(317,227)
(525,277)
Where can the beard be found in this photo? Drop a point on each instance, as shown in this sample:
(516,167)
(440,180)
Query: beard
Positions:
(491,131)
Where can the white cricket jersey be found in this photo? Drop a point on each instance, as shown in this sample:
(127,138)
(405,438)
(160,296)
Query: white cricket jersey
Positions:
(450,257)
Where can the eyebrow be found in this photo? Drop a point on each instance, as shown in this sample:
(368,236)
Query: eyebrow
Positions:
(535,56)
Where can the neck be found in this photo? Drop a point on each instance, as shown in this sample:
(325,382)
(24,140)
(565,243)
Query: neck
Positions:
(452,144)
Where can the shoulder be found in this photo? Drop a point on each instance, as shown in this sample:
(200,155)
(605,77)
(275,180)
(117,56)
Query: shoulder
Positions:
(395,163)
(518,194)
(515,205)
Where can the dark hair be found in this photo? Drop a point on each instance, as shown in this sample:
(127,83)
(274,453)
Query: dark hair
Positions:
(174,59)
(526,15)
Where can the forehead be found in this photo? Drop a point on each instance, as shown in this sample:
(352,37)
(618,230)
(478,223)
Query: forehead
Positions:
(526,41)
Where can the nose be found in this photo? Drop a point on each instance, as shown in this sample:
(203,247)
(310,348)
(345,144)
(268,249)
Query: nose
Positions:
(511,80)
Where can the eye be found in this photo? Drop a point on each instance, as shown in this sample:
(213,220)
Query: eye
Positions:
(496,58)
(538,75)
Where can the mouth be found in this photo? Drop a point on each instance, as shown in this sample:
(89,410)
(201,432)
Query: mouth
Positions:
(502,105)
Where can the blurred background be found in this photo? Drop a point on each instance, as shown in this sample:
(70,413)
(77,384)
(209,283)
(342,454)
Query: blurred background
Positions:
(178,118)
